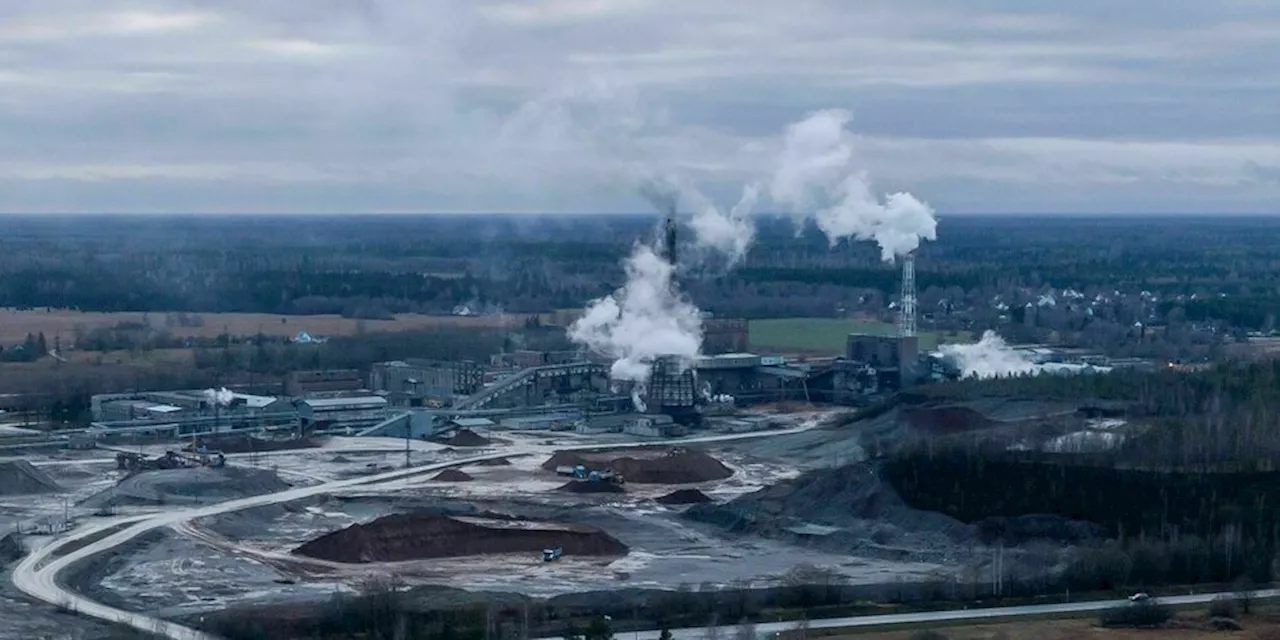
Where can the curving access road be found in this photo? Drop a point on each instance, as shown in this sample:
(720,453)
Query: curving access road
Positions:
(37,574)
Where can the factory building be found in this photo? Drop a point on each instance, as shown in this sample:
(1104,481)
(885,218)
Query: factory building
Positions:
(434,383)
(305,383)
(525,358)
(890,356)
(154,405)
(321,414)
(724,335)
(672,390)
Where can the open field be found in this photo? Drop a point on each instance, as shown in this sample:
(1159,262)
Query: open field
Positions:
(16,324)
(827,334)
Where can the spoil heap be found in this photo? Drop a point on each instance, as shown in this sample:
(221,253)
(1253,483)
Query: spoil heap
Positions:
(684,496)
(946,420)
(853,498)
(409,537)
(452,475)
(588,486)
(18,477)
(199,485)
(466,438)
(647,466)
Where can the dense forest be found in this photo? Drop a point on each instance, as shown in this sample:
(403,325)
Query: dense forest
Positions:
(1193,269)
(1203,464)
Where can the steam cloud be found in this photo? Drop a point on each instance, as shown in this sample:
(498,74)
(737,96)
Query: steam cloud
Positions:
(815,173)
(641,321)
(990,357)
(219,397)
(647,318)
(728,233)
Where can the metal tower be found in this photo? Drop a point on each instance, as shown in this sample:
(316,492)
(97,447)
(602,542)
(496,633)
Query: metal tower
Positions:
(907,321)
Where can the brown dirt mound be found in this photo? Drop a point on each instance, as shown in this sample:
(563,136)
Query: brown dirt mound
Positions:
(466,438)
(453,475)
(943,420)
(684,496)
(648,466)
(585,486)
(18,477)
(495,462)
(409,537)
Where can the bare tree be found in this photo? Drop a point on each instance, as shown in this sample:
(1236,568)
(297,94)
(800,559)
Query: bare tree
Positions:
(712,631)
(1244,593)
(801,628)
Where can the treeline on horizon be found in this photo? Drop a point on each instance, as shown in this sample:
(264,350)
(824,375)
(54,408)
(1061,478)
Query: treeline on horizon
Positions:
(389,264)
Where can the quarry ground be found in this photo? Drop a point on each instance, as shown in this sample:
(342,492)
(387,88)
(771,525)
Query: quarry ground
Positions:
(247,557)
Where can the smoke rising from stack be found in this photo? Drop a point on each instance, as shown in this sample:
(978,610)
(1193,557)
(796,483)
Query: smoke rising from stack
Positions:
(728,233)
(815,178)
(644,319)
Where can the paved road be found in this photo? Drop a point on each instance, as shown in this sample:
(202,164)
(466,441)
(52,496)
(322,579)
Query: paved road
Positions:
(37,574)
(769,630)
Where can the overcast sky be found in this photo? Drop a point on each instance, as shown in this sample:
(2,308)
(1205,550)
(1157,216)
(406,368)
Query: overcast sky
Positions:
(563,105)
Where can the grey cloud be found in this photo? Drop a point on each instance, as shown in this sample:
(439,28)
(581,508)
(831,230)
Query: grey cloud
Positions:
(297,105)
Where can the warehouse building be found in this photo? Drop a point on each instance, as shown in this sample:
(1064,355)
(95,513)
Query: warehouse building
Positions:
(331,414)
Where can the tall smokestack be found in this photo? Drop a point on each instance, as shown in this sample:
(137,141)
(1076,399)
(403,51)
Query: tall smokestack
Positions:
(907,321)
(669,239)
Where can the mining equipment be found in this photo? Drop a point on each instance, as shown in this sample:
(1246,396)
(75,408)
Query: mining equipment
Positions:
(551,555)
(581,472)
(126,461)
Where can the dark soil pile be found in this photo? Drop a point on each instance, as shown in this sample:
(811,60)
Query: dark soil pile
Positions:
(946,420)
(854,498)
(495,462)
(11,548)
(684,496)
(466,438)
(409,537)
(250,444)
(453,475)
(586,486)
(18,477)
(650,466)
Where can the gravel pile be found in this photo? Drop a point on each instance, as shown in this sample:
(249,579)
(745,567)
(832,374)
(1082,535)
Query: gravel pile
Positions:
(18,477)
(453,475)
(201,485)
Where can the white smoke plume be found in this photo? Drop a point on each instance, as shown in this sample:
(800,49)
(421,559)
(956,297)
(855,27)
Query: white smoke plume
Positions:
(729,232)
(219,397)
(990,357)
(726,232)
(814,178)
(644,319)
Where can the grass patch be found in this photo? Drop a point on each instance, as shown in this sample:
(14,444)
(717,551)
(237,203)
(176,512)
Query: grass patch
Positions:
(828,334)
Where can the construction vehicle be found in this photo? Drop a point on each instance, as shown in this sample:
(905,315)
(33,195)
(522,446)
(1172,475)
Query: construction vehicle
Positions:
(551,555)
(581,472)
